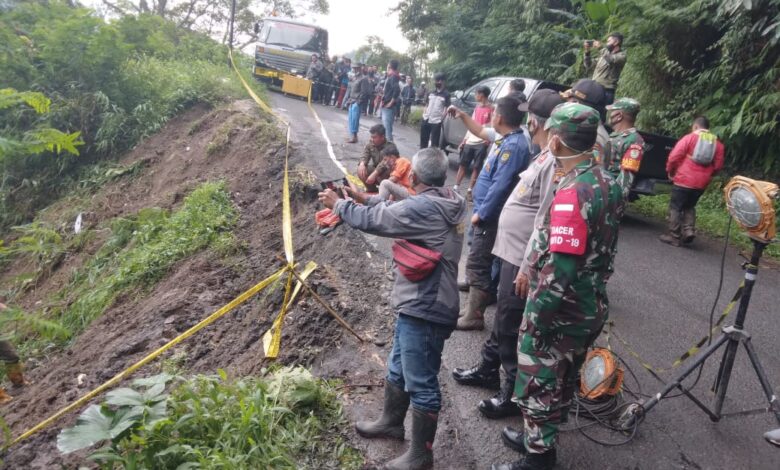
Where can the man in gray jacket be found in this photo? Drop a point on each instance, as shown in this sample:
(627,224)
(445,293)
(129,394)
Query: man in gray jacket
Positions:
(427,309)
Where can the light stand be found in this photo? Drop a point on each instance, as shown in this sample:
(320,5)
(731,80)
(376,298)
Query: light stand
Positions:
(732,336)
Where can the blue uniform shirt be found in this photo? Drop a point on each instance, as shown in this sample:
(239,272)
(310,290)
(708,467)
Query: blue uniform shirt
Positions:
(499,175)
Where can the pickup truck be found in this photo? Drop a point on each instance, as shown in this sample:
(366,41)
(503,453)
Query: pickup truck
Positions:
(657,147)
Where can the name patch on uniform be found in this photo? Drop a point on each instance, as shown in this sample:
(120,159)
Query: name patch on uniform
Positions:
(632,158)
(568,229)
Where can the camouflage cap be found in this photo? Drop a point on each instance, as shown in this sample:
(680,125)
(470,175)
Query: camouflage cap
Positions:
(576,123)
(629,105)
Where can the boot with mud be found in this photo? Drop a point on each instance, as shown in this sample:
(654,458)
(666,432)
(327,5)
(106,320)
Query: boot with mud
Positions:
(4,396)
(15,375)
(675,229)
(420,453)
(391,423)
(474,318)
(545,461)
(689,225)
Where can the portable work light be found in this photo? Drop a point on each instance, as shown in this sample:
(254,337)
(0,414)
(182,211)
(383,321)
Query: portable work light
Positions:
(751,204)
(600,374)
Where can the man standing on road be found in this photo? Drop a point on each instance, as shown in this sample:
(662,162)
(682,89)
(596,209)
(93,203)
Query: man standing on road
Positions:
(426,301)
(438,102)
(498,176)
(372,158)
(391,93)
(692,163)
(567,306)
(473,149)
(623,155)
(358,101)
(524,210)
(407,100)
(609,65)
(313,74)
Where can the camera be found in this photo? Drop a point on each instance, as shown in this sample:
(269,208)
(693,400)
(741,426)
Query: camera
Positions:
(335,185)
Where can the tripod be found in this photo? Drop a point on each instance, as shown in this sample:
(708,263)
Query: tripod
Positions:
(731,338)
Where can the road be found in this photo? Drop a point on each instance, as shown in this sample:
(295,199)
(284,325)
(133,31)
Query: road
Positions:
(660,298)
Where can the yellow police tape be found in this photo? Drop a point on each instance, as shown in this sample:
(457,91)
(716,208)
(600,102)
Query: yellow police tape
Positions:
(687,354)
(273,337)
(120,376)
(271,344)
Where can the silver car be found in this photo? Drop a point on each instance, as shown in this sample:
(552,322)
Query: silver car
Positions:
(453,130)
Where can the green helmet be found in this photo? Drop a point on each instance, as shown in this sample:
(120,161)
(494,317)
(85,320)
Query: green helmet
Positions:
(629,105)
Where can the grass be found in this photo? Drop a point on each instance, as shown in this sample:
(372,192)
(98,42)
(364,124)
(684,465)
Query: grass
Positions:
(286,419)
(415,116)
(712,216)
(138,253)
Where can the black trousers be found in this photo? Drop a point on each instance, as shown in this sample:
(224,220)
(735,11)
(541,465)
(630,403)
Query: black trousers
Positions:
(429,133)
(683,199)
(501,347)
(480,261)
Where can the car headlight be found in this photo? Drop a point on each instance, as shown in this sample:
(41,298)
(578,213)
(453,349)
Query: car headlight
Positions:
(751,204)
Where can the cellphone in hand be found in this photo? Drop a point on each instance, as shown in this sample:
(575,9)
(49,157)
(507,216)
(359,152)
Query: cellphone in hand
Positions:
(335,185)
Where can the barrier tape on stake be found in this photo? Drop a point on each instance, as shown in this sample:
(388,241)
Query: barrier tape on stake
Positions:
(272,338)
(150,357)
(687,354)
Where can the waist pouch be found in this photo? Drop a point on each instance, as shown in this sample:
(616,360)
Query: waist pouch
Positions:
(415,262)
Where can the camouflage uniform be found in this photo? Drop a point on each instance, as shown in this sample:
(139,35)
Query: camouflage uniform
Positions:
(625,149)
(572,258)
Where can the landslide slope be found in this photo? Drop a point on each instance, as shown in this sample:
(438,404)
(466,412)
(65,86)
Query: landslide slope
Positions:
(237,145)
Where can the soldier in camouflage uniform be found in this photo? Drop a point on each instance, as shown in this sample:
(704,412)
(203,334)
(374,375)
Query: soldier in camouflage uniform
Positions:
(572,259)
(626,147)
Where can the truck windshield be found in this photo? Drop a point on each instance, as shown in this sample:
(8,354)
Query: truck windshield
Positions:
(292,35)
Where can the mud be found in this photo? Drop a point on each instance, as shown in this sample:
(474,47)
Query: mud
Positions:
(246,150)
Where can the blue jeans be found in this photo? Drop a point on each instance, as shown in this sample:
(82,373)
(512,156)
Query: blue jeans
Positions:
(388,116)
(415,360)
(354,118)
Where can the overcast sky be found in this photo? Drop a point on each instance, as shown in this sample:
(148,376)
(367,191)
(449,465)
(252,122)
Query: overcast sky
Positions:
(350,22)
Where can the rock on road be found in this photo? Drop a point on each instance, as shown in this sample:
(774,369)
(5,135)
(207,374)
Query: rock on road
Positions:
(660,299)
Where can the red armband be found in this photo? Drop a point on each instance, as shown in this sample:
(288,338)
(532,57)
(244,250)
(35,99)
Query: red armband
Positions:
(632,158)
(568,229)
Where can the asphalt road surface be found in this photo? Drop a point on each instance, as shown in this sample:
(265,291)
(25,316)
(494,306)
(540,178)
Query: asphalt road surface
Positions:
(660,299)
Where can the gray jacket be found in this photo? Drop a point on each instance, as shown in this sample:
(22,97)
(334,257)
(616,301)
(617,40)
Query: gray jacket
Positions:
(434,218)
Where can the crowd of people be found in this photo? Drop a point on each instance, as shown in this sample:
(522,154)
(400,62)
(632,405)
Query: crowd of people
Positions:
(549,186)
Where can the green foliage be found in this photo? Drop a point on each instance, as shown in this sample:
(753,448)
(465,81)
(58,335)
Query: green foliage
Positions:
(285,420)
(105,85)
(41,244)
(139,252)
(712,216)
(712,57)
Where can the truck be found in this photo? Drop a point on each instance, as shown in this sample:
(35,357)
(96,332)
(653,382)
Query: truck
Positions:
(657,147)
(284,48)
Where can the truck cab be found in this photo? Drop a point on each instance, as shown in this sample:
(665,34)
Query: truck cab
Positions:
(285,46)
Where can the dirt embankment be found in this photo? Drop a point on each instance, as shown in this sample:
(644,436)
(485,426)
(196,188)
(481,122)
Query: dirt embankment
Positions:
(246,150)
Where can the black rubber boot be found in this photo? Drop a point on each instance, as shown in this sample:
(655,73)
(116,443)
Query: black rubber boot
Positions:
(420,453)
(391,423)
(501,405)
(514,439)
(545,461)
(481,375)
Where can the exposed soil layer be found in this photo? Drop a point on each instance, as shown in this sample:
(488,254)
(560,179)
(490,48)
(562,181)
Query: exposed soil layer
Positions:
(238,145)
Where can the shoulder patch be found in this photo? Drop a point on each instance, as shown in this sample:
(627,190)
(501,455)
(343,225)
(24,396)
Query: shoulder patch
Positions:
(568,229)
(505,156)
(632,159)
